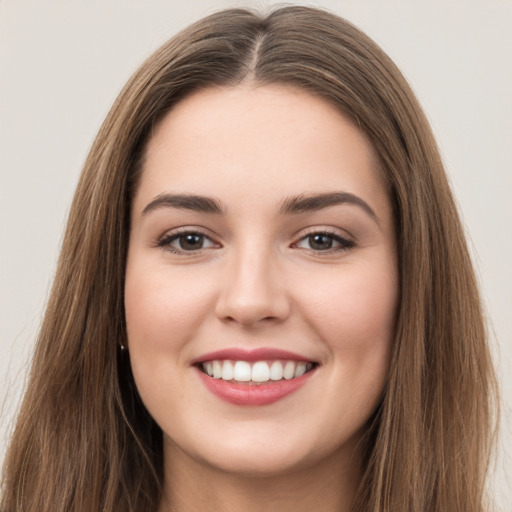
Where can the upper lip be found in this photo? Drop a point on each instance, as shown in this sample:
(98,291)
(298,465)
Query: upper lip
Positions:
(258,354)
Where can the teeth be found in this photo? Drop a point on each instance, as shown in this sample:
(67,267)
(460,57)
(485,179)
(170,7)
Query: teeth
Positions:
(260,371)
(289,370)
(276,371)
(300,370)
(217,370)
(227,370)
(242,371)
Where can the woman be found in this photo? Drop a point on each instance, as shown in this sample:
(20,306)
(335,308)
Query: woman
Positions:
(264,298)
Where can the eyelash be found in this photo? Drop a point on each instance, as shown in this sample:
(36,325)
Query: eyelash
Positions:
(344,244)
(166,241)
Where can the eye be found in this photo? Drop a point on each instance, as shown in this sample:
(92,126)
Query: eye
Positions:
(324,242)
(187,241)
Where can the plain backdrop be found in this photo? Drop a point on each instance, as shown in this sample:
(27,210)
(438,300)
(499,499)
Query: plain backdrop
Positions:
(62,63)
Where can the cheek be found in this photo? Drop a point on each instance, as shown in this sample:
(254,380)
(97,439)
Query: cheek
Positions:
(354,315)
(360,303)
(162,307)
(369,311)
(163,310)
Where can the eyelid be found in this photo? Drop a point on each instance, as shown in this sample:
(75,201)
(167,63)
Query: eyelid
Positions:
(164,241)
(346,242)
(169,236)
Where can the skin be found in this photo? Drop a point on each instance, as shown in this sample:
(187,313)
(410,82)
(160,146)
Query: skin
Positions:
(256,282)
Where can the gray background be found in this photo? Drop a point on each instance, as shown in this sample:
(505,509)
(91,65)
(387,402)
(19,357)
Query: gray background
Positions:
(62,63)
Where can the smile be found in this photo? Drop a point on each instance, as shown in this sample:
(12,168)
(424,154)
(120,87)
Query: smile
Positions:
(259,376)
(255,373)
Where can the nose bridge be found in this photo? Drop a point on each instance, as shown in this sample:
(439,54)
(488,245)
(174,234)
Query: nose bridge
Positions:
(252,290)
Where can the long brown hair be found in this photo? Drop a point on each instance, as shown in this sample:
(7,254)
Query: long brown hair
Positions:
(84,441)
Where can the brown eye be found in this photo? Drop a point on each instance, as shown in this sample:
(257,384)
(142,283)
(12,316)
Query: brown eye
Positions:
(320,242)
(190,242)
(186,242)
(324,242)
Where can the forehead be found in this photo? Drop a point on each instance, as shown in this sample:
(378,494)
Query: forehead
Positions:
(264,141)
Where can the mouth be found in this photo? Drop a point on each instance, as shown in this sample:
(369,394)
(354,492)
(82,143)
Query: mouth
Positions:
(255,373)
(254,377)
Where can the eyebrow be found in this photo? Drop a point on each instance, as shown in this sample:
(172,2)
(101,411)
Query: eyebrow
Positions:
(292,205)
(313,202)
(185,202)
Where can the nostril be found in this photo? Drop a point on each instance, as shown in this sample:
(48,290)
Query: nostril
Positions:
(251,311)
(251,292)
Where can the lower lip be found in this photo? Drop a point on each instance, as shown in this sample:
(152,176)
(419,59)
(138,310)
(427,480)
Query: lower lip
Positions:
(257,394)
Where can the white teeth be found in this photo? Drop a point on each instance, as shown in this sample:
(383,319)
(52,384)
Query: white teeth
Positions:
(300,370)
(242,371)
(260,371)
(276,371)
(217,370)
(289,370)
(227,370)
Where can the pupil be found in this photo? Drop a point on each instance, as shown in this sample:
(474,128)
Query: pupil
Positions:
(191,242)
(320,242)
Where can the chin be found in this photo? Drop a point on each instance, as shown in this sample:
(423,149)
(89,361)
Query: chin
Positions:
(265,453)
(255,463)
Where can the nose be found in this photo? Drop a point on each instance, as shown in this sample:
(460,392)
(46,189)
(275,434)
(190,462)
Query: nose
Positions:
(253,291)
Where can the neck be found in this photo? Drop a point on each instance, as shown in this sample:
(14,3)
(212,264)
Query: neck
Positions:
(329,486)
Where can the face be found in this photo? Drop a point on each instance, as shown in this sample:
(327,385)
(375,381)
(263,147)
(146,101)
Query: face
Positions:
(261,247)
